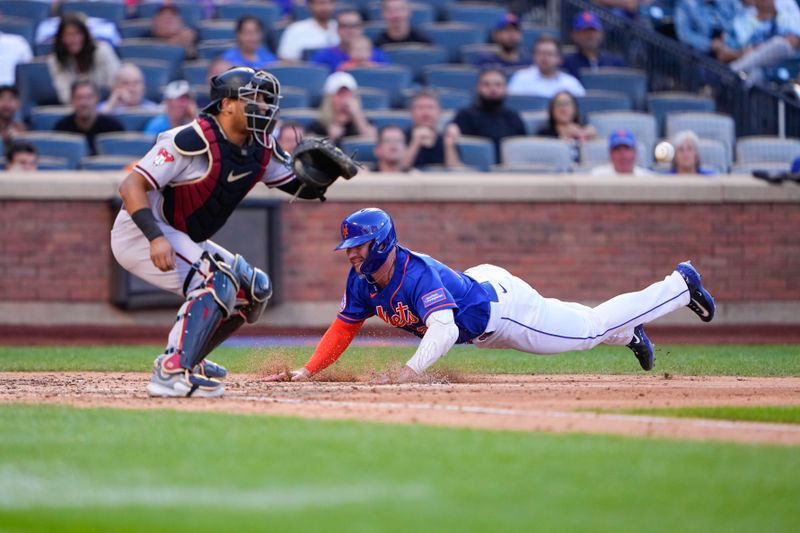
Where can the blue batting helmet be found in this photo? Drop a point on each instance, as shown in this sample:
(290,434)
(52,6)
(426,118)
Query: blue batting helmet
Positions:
(365,225)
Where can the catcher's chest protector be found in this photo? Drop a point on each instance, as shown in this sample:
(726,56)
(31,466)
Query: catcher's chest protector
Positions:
(201,207)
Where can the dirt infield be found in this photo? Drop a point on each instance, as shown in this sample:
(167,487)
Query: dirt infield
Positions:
(552,403)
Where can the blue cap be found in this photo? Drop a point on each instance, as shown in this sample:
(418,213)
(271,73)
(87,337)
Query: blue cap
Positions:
(622,137)
(586,20)
(796,165)
(506,19)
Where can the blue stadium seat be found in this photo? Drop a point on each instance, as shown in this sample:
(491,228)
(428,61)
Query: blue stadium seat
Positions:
(381,118)
(471,53)
(373,98)
(595,101)
(440,7)
(643,125)
(534,120)
(420,13)
(191,12)
(661,104)
(632,82)
(363,147)
(462,77)
(136,120)
(156,75)
(33,11)
(306,75)
(301,115)
(393,79)
(217,30)
(134,28)
(453,99)
(107,162)
(532,33)
(18,26)
(53,163)
(267,12)
(526,102)
(706,126)
(477,152)
(479,14)
(214,48)
(373,29)
(44,118)
(416,56)
(113,11)
(70,146)
(35,85)
(129,143)
(195,72)
(294,97)
(553,154)
(766,149)
(453,35)
(135,49)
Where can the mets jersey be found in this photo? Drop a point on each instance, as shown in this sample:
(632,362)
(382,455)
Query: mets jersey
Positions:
(419,286)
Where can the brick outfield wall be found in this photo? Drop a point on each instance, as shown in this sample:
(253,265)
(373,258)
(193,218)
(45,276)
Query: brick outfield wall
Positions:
(59,250)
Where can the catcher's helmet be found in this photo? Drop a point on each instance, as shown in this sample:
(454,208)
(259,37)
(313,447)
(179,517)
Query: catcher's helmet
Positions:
(227,85)
(365,225)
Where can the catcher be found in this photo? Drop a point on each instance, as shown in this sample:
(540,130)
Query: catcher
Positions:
(182,192)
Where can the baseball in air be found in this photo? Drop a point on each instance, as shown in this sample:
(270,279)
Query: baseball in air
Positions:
(664,152)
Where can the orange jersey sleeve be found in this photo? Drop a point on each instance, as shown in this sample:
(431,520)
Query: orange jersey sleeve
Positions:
(332,345)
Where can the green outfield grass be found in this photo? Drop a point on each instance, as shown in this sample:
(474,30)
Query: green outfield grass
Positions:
(678,359)
(780,414)
(66,469)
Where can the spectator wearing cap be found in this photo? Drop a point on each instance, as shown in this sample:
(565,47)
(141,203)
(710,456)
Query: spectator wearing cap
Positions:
(622,153)
(249,50)
(426,145)
(544,78)
(587,34)
(341,114)
(510,56)
(350,27)
(85,119)
(15,50)
(127,94)
(397,16)
(180,108)
(488,116)
(9,107)
(169,27)
(22,156)
(317,31)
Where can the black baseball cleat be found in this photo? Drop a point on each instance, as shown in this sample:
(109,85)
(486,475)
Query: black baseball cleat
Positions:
(701,302)
(642,348)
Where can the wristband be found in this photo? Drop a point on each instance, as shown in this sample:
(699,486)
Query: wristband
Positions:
(147,223)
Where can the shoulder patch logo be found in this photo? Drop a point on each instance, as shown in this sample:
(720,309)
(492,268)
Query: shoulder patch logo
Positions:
(433,297)
(163,157)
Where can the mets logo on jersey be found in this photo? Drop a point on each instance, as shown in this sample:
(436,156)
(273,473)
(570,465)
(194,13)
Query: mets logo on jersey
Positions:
(163,157)
(402,316)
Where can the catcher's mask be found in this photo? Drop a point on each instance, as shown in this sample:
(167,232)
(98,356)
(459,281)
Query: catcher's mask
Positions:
(261,97)
(227,85)
(365,225)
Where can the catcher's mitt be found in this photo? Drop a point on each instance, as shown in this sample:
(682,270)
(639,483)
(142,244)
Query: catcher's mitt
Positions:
(317,163)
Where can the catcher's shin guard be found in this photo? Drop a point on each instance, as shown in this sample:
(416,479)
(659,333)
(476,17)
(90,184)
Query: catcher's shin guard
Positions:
(203,312)
(256,285)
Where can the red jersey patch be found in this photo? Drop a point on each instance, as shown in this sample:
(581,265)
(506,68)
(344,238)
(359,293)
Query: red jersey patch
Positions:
(163,157)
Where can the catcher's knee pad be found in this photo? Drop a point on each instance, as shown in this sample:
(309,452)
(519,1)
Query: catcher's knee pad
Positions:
(204,311)
(256,285)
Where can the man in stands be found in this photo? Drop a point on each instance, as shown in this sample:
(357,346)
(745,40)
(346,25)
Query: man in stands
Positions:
(510,55)
(350,27)
(544,78)
(587,34)
(397,16)
(22,156)
(317,31)
(622,153)
(85,119)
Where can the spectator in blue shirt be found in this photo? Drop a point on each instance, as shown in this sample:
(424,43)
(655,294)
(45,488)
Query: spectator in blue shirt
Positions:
(702,24)
(511,56)
(350,27)
(587,34)
(180,108)
(250,50)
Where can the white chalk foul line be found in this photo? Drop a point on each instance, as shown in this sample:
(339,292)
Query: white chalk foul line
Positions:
(527,413)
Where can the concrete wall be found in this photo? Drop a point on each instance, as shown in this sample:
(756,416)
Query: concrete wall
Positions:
(572,237)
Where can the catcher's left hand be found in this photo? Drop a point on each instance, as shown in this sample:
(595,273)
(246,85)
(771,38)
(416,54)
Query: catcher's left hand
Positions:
(317,163)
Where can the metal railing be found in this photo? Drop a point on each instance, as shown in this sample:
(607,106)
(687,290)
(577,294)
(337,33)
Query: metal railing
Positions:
(672,65)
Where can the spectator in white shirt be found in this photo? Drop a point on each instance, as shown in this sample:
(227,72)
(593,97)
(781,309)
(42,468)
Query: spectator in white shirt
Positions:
(317,31)
(545,78)
(15,50)
(622,152)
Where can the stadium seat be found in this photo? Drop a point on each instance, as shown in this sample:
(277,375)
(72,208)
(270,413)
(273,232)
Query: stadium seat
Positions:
(595,153)
(306,75)
(107,162)
(632,82)
(380,118)
(477,152)
(53,163)
(712,155)
(525,102)
(214,48)
(128,143)
(33,11)
(595,101)
(453,35)
(294,97)
(156,73)
(532,33)
(35,85)
(136,120)
(372,98)
(534,120)
(363,147)
(748,168)
(767,149)
(191,12)
(45,117)
(135,28)
(17,26)
(449,99)
(415,56)
(661,104)
(706,126)
(373,28)
(391,78)
(525,168)
(112,11)
(471,53)
(553,153)
(461,77)
(149,49)
(195,72)
(267,12)
(480,14)
(643,125)
(421,13)
(221,30)
(70,146)
(301,115)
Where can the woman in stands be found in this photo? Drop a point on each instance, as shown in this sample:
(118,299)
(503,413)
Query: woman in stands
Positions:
(341,114)
(249,50)
(77,56)
(564,122)
(687,154)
